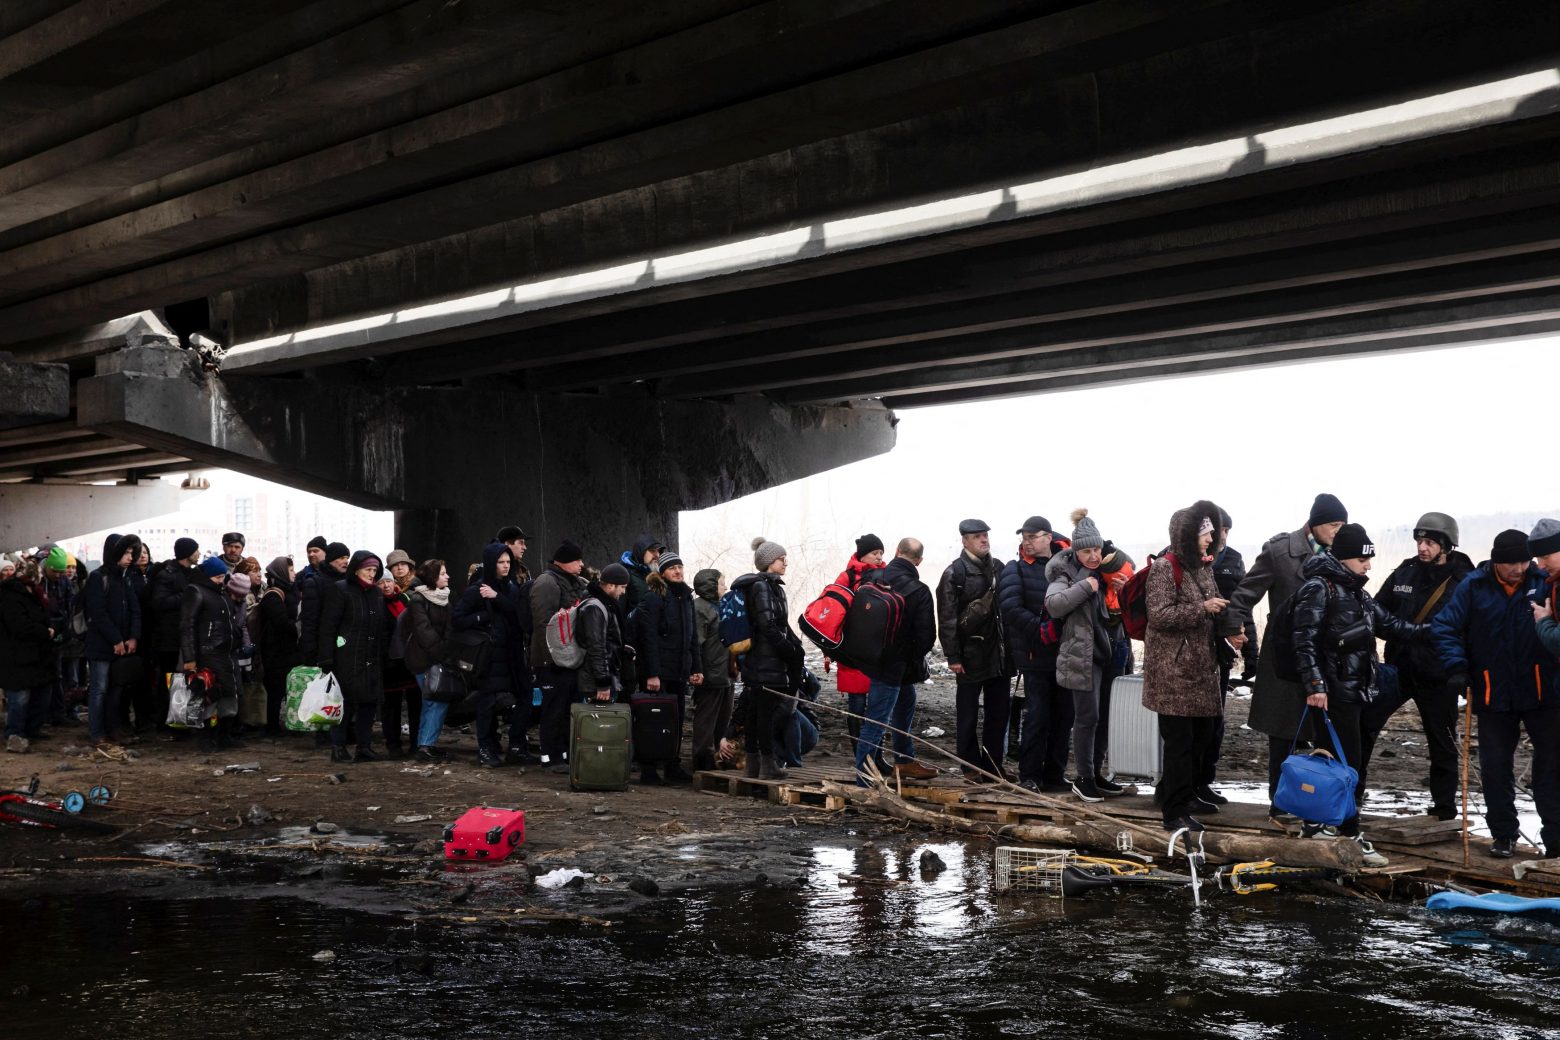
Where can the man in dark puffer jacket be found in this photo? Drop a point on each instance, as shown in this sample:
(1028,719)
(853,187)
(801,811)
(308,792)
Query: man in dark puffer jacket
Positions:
(1034,639)
(772,668)
(669,659)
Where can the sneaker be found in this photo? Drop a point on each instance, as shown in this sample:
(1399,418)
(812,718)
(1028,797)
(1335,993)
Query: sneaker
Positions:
(1207,794)
(1054,787)
(1108,787)
(1029,785)
(488,760)
(914,770)
(16,743)
(1184,823)
(1442,812)
(1369,856)
(1318,830)
(1084,788)
(676,774)
(1503,848)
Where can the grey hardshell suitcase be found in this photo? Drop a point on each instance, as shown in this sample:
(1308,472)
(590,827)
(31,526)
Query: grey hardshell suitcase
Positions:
(1135,747)
(601,746)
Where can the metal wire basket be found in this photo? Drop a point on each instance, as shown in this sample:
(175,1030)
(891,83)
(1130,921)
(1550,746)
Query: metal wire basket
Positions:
(1031,870)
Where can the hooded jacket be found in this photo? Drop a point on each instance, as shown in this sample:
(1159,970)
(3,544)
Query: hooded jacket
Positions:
(598,627)
(499,618)
(1180,666)
(355,629)
(27,655)
(714,658)
(112,608)
(1086,643)
(1277,574)
(638,573)
(1488,642)
(982,652)
(280,652)
(430,627)
(210,632)
(849,680)
(775,659)
(1404,594)
(918,628)
(663,631)
(551,591)
(1337,624)
(166,595)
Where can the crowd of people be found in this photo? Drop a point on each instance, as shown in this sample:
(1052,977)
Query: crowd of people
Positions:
(1054,617)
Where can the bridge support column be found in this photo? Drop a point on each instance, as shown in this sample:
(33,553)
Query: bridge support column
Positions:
(457,464)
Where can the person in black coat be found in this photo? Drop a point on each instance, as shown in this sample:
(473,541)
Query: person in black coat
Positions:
(311,592)
(1229,570)
(210,636)
(1417,591)
(669,658)
(892,680)
(113,613)
(1336,627)
(354,638)
(28,665)
(278,628)
(772,667)
(165,597)
(599,630)
(1034,639)
(491,606)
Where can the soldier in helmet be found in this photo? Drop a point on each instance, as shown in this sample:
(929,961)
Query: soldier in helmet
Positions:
(1419,589)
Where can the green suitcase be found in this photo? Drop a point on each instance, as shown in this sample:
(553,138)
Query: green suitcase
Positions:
(601,745)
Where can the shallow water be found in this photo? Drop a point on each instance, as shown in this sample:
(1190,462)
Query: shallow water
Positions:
(928,956)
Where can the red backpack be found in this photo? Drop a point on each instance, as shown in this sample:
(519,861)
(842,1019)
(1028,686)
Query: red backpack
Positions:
(1134,597)
(824,619)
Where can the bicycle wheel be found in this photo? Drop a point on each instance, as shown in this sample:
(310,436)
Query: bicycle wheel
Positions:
(57,818)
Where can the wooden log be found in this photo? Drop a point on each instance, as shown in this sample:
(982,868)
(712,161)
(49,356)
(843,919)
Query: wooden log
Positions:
(1101,835)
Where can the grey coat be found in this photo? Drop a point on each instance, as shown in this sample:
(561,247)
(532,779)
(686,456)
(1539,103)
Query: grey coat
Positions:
(1081,610)
(1277,573)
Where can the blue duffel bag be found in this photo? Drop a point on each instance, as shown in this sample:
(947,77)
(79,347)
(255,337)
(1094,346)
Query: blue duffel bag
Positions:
(1316,786)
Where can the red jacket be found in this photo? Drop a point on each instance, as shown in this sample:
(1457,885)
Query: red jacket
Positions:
(849,680)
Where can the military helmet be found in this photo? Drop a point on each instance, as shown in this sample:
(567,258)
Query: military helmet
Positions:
(1437,524)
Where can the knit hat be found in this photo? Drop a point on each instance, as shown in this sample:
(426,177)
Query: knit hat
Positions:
(239,584)
(1511,546)
(1224,519)
(233,538)
(184,548)
(1545,538)
(318,542)
(1352,543)
(669,558)
(568,552)
(213,567)
(868,543)
(1035,525)
(399,556)
(1086,534)
(1112,558)
(1327,509)
(510,534)
(58,559)
(766,552)
(614,574)
(336,551)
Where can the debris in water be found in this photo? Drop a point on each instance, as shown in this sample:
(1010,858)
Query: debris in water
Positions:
(413,819)
(321,827)
(242,767)
(259,814)
(561,877)
(325,956)
(931,863)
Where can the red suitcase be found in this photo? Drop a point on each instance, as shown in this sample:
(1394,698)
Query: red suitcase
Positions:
(484,833)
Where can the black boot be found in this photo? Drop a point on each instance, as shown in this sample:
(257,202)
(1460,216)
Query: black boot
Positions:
(206,739)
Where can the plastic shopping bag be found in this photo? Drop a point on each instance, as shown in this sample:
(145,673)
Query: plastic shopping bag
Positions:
(322,704)
(186,709)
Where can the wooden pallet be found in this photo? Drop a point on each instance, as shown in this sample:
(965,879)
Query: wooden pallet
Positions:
(811,796)
(803,779)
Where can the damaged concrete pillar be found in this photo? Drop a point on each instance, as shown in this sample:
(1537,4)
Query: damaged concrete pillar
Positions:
(457,464)
(32,392)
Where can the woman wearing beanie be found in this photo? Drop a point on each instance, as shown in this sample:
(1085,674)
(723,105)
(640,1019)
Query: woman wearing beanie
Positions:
(210,633)
(772,667)
(1180,663)
(1337,624)
(669,659)
(278,628)
(28,665)
(853,684)
(354,637)
(1075,597)
(429,612)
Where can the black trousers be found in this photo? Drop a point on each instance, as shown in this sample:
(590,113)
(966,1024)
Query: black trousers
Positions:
(275,683)
(1499,734)
(1346,719)
(1210,763)
(558,689)
(1186,750)
(357,719)
(390,720)
(1048,719)
(763,705)
(1438,716)
(983,742)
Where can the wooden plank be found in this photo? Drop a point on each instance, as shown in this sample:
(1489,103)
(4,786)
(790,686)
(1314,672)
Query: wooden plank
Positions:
(1413,831)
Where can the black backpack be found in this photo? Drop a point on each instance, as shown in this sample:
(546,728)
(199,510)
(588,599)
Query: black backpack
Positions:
(1279,639)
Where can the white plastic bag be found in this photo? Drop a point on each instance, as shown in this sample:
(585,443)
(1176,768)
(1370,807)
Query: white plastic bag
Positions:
(321,704)
(186,710)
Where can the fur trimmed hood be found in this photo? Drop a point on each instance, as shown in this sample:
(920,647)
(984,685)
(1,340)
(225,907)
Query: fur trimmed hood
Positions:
(1184,525)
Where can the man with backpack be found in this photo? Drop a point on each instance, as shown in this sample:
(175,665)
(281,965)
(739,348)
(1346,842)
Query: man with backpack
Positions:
(1035,638)
(557,588)
(902,664)
(1417,591)
(972,640)
(712,699)
(1276,701)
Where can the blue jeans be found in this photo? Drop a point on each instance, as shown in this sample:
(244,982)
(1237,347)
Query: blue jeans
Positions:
(102,701)
(799,737)
(26,710)
(888,704)
(433,713)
